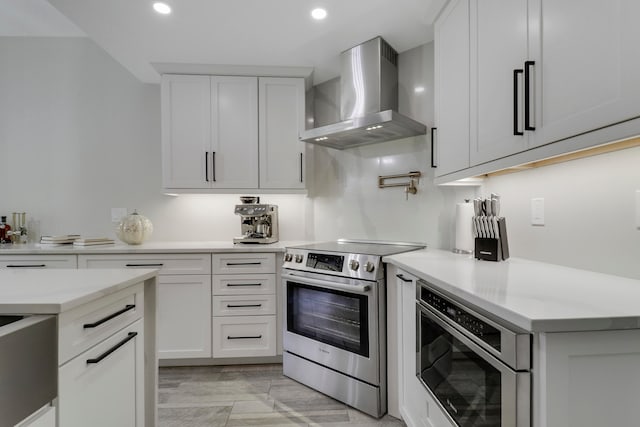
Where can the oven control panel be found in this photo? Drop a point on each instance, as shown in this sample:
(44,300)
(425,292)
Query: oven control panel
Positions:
(358,266)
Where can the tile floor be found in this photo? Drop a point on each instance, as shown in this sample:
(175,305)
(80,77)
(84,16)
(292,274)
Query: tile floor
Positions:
(249,395)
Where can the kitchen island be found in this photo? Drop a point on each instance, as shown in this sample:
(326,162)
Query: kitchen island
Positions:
(106,349)
(584,328)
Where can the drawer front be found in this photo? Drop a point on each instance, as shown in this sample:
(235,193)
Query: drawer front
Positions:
(244,336)
(104,386)
(244,284)
(244,263)
(38,261)
(167,264)
(89,324)
(240,305)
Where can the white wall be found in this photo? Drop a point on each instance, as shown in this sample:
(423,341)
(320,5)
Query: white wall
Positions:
(80,135)
(345,197)
(589,212)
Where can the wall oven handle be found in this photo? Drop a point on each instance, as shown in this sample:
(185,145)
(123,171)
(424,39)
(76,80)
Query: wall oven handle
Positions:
(360,289)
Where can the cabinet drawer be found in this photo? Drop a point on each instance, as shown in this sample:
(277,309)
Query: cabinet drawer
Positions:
(244,284)
(38,261)
(104,386)
(88,324)
(244,263)
(240,305)
(240,336)
(167,264)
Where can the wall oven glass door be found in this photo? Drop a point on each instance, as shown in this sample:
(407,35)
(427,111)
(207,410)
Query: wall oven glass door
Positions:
(333,321)
(472,386)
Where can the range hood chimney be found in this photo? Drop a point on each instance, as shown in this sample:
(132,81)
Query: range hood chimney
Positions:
(368,102)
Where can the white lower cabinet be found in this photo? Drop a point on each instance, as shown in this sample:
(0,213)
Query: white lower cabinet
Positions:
(103,387)
(183,298)
(19,262)
(45,417)
(244,305)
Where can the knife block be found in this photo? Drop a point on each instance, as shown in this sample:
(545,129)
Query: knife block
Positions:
(490,249)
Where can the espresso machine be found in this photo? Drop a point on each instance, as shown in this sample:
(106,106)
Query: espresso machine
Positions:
(259,222)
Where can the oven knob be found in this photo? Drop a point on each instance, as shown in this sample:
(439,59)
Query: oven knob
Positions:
(369,267)
(354,265)
(299,258)
(288,257)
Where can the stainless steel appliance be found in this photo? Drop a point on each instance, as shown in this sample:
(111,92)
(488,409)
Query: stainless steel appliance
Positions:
(335,318)
(259,222)
(368,100)
(476,368)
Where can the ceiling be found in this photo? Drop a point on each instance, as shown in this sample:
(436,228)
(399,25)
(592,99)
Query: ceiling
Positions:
(255,34)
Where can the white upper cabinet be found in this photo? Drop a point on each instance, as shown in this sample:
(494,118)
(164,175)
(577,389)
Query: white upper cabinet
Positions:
(587,68)
(282,154)
(498,31)
(450,139)
(217,133)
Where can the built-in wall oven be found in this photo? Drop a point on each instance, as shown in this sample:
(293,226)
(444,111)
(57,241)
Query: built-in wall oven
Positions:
(335,320)
(476,368)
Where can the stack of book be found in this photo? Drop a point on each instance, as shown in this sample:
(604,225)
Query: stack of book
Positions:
(61,240)
(92,241)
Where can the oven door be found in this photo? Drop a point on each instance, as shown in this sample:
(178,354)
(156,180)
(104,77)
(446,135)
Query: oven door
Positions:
(471,385)
(333,321)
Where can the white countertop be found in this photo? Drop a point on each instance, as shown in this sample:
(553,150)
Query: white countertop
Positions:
(535,296)
(151,247)
(53,291)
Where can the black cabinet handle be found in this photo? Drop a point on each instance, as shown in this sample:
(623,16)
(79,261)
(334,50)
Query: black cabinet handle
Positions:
(401,277)
(243,305)
(206,166)
(243,263)
(300,167)
(516,115)
(244,284)
(109,317)
(213,161)
(433,147)
(245,338)
(27,266)
(130,336)
(527,95)
(145,265)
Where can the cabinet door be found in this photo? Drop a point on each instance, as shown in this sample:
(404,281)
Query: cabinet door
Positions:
(102,388)
(186,131)
(244,336)
(234,126)
(282,154)
(451,138)
(587,66)
(184,316)
(498,47)
(21,262)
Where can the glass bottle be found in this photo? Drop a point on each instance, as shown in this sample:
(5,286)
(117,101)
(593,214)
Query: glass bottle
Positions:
(5,236)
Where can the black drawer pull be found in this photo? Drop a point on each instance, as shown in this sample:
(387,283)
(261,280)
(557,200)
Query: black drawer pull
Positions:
(245,338)
(401,277)
(109,317)
(243,263)
(243,305)
(244,284)
(130,336)
(27,266)
(159,264)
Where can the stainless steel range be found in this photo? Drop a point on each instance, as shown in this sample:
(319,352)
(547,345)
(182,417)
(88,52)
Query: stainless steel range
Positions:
(335,319)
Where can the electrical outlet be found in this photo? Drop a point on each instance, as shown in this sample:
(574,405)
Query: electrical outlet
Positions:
(117,214)
(537,211)
(637,209)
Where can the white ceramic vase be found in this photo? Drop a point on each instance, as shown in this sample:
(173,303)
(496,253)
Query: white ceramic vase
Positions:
(134,229)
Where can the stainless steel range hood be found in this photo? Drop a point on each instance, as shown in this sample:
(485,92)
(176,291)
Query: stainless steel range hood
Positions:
(368,100)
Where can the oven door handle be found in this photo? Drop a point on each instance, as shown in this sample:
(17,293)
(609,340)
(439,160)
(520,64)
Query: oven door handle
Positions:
(360,289)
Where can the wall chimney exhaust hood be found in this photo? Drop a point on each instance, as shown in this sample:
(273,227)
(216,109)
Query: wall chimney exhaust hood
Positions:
(368,100)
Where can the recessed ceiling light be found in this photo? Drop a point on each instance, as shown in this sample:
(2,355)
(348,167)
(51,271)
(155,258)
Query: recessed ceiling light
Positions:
(162,8)
(319,13)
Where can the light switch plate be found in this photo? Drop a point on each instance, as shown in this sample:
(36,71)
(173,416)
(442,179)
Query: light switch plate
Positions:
(117,214)
(537,211)
(637,209)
